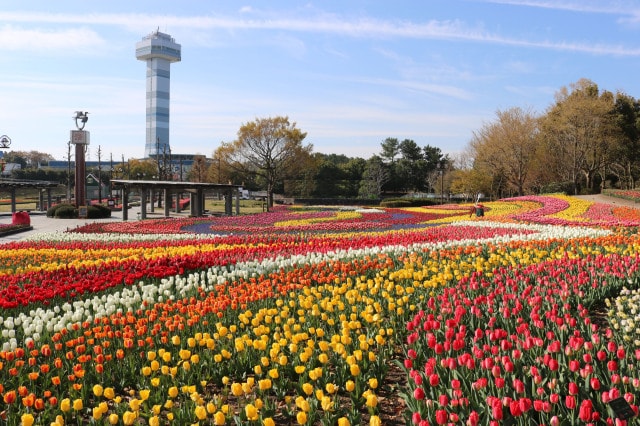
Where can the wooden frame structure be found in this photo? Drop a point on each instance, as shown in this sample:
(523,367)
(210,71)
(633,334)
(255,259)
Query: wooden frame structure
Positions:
(196,191)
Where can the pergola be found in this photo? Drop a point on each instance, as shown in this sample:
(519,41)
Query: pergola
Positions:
(11,185)
(196,191)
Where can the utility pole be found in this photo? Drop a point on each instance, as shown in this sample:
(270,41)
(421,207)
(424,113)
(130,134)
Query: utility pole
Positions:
(99,176)
(110,174)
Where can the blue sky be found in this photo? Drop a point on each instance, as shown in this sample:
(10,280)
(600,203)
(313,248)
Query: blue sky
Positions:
(349,73)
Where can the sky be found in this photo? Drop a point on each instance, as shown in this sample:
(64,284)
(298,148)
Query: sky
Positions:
(348,73)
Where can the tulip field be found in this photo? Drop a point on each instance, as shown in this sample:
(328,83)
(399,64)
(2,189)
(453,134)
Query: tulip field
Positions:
(328,316)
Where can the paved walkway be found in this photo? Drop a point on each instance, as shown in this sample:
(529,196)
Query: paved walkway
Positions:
(43,224)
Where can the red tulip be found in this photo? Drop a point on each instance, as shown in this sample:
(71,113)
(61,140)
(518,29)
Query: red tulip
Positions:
(434,380)
(419,394)
(570,402)
(514,408)
(586,410)
(473,419)
(441,417)
(573,388)
(443,400)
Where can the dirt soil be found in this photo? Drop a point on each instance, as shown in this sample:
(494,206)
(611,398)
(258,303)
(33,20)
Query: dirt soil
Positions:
(599,198)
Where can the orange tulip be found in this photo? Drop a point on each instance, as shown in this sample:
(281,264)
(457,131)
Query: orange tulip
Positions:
(29,400)
(23,391)
(38,404)
(9,397)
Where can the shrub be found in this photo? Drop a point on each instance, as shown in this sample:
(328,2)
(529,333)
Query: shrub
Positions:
(396,203)
(408,202)
(63,211)
(98,211)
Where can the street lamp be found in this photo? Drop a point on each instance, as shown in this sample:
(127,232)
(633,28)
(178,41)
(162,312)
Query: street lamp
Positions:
(80,138)
(5,141)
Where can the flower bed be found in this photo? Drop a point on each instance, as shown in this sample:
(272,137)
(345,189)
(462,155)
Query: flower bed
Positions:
(299,320)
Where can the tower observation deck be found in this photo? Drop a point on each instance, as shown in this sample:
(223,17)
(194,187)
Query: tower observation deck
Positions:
(159,50)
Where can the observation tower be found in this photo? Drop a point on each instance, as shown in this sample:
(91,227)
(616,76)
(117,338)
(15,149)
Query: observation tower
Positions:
(159,50)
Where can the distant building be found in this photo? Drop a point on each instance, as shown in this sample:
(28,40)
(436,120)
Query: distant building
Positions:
(159,50)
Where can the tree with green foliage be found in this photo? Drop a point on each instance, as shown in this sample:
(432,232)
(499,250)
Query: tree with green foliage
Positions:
(270,148)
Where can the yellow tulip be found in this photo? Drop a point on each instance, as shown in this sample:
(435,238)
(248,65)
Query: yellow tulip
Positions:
(97,390)
(173,391)
(264,384)
(109,393)
(326,403)
(65,405)
(114,419)
(251,411)
(96,413)
(301,417)
(350,385)
(375,421)
(77,404)
(307,388)
(27,419)
(354,369)
(134,404)
(201,412)
(236,389)
(129,418)
(219,418)
(273,373)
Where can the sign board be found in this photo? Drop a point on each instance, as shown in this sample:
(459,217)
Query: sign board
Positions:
(82,212)
(621,408)
(80,137)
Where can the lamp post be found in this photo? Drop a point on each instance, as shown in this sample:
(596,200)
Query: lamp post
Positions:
(80,138)
(5,143)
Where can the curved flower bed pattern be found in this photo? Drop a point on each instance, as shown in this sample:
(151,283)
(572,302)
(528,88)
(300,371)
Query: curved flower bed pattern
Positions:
(298,318)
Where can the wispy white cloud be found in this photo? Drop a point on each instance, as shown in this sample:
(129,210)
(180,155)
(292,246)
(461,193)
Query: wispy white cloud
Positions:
(629,11)
(586,6)
(60,40)
(453,30)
